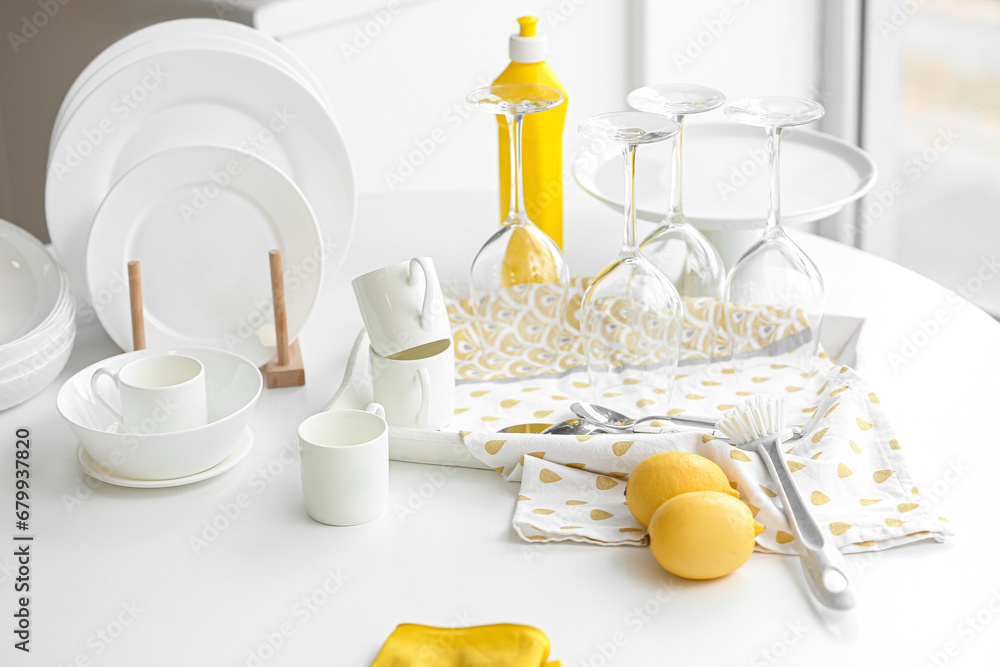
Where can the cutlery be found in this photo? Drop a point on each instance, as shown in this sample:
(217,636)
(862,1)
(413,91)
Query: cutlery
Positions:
(613,419)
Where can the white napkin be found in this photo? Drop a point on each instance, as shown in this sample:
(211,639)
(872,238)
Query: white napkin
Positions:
(848,465)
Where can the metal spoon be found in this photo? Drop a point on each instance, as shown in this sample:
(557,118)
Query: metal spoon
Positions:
(613,419)
(568,427)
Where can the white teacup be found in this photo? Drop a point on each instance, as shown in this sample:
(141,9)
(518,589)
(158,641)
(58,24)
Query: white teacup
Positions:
(345,465)
(417,386)
(159,394)
(402,306)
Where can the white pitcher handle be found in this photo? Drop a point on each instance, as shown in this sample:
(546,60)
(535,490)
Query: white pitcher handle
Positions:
(93,387)
(430,278)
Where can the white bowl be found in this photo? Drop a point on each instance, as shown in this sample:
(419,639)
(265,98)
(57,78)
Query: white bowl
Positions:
(30,355)
(39,373)
(32,284)
(233,385)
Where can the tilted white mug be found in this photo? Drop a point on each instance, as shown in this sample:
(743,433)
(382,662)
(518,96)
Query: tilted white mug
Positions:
(402,306)
(417,387)
(159,394)
(344,456)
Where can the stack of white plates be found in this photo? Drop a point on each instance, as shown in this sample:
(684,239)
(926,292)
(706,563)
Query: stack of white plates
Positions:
(37,316)
(196,146)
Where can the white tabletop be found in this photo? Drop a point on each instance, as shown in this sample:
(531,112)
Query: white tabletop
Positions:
(117,577)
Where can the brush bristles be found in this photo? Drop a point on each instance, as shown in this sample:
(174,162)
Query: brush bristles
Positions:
(753,419)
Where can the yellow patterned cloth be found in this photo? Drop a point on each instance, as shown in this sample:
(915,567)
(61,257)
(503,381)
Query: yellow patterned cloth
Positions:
(529,335)
(849,464)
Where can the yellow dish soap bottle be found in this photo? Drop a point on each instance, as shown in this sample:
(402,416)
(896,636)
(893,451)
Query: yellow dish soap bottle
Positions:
(541,136)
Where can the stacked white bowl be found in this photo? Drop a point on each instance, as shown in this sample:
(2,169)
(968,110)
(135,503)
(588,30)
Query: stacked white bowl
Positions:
(37,316)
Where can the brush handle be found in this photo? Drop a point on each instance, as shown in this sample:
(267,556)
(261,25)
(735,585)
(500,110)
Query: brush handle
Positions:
(823,564)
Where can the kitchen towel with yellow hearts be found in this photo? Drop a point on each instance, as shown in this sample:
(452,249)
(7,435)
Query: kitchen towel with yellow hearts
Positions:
(848,465)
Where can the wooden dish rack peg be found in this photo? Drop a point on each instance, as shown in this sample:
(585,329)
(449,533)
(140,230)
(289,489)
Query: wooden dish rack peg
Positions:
(286,369)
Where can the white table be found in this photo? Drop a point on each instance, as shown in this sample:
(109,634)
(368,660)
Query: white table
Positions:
(117,580)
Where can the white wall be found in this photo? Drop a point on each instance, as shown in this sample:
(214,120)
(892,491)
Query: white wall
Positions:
(392,89)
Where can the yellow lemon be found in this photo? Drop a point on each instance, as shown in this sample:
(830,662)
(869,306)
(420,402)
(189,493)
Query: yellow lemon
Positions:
(702,534)
(667,474)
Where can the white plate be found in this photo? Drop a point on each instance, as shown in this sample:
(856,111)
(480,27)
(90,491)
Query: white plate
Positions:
(207,31)
(159,46)
(31,285)
(203,249)
(191,98)
(725,176)
(91,467)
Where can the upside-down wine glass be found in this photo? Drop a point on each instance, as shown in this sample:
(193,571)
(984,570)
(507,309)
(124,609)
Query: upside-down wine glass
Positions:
(683,253)
(519,253)
(774,293)
(631,315)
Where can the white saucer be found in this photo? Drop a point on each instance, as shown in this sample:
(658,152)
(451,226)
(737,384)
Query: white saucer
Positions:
(90,466)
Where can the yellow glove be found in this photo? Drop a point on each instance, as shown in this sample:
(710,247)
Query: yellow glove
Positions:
(501,645)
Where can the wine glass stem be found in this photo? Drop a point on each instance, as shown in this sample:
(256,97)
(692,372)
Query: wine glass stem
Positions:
(628,153)
(676,178)
(514,123)
(774,181)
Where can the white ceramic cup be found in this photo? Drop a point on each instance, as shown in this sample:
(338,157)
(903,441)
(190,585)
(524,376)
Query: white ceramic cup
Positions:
(159,394)
(345,465)
(417,387)
(402,306)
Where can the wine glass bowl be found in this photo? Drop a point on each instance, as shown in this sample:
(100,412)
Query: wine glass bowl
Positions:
(631,315)
(774,294)
(676,247)
(781,112)
(519,255)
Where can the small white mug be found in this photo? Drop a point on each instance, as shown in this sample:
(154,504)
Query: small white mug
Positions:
(344,456)
(159,394)
(402,306)
(416,387)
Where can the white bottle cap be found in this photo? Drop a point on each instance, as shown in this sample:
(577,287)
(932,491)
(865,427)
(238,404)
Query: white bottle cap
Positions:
(528,46)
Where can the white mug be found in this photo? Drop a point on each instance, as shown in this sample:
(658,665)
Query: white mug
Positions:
(159,394)
(416,387)
(345,465)
(402,306)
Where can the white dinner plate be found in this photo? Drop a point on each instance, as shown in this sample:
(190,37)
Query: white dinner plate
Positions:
(91,467)
(201,221)
(725,176)
(205,30)
(190,98)
(158,46)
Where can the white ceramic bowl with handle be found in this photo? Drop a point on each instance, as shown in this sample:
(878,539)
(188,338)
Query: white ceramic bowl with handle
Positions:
(233,386)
